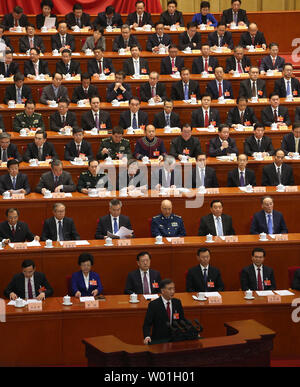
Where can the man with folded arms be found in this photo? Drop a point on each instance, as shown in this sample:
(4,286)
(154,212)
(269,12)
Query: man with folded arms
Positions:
(206,62)
(14,181)
(35,66)
(40,149)
(134,117)
(186,88)
(85,91)
(167,224)
(28,119)
(290,142)
(108,18)
(153,89)
(15,19)
(216,223)
(202,175)
(143,280)
(59,227)
(115,146)
(278,172)
(205,115)
(222,145)
(241,176)
(95,118)
(29,284)
(63,118)
(167,117)
(253,87)
(258,142)
(8,150)
(55,91)
(149,145)
(56,180)
(172,63)
(135,65)
(119,90)
(241,114)
(253,37)
(257,276)
(204,277)
(288,86)
(268,220)
(186,144)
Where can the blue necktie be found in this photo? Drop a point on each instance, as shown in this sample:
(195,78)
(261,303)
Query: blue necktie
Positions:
(270,224)
(60,231)
(219,227)
(242,180)
(186,92)
(168,120)
(19,96)
(14,183)
(134,122)
(288,89)
(116,229)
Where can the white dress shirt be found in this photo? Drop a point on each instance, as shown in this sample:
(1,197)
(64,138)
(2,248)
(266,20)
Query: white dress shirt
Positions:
(261,274)
(32,287)
(148,279)
(216,225)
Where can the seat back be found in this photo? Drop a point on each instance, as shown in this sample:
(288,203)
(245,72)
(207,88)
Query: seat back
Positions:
(291,273)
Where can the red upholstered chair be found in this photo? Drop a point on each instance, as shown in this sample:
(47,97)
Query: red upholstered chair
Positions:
(291,273)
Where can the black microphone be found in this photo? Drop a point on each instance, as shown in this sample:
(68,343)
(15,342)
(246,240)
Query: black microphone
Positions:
(176,325)
(171,327)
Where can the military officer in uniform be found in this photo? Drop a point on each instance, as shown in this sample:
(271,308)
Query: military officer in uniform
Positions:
(115,146)
(92,179)
(28,119)
(167,224)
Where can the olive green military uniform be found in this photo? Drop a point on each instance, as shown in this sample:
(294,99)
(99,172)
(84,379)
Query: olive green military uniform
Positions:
(114,149)
(22,120)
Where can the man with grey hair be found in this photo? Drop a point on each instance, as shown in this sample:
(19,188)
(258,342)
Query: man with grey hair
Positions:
(153,89)
(8,150)
(168,175)
(125,40)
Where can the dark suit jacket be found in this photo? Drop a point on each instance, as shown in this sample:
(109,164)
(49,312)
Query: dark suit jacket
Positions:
(159,120)
(128,66)
(2,124)
(74,67)
(24,44)
(56,42)
(111,94)
(145,91)
(195,280)
(297,114)
(267,116)
(235,118)
(210,178)
(72,21)
(270,178)
(177,91)
(79,94)
(250,145)
(158,177)
(227,16)
(50,232)
(93,67)
(169,20)
(47,181)
(13,68)
(227,39)
(179,145)
(29,68)
(184,41)
(207,225)
(32,152)
(154,42)
(134,282)
(259,223)
(288,143)
(166,64)
(7,42)
(10,93)
(105,225)
(231,64)
(213,90)
(198,119)
(40,20)
(119,43)
(248,278)
(125,119)
(296,280)
(71,150)
(132,18)
(88,122)
(56,123)
(281,90)
(49,95)
(157,318)
(22,232)
(12,152)
(8,21)
(246,91)
(267,64)
(102,21)
(17,285)
(234,181)
(246,40)
(21,182)
(198,68)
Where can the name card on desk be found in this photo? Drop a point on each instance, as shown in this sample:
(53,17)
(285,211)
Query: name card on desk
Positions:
(124,242)
(103,132)
(91,304)
(68,244)
(231,238)
(212,191)
(274,298)
(20,246)
(291,188)
(18,196)
(281,237)
(35,306)
(177,241)
(215,300)
(58,195)
(259,189)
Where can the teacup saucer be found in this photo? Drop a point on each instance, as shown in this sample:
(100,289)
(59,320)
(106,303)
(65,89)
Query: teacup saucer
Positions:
(71,303)
(134,302)
(249,298)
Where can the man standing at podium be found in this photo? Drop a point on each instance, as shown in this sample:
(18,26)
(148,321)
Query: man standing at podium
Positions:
(160,312)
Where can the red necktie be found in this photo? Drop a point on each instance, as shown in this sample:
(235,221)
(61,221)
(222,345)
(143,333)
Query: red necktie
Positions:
(252,39)
(78,150)
(140,21)
(259,281)
(240,70)
(100,67)
(153,91)
(30,295)
(275,115)
(206,65)
(206,121)
(220,89)
(169,311)
(273,61)
(173,65)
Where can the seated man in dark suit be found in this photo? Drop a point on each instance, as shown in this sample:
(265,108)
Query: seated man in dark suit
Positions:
(2,126)
(257,276)
(238,62)
(204,277)
(46,7)
(85,91)
(119,90)
(186,88)
(5,39)
(132,177)
(62,40)
(171,16)
(235,14)
(202,175)
(28,119)
(275,113)
(135,65)
(63,118)
(253,37)
(140,17)
(14,181)
(95,118)
(35,66)
(167,175)
(296,280)
(216,223)
(112,222)
(167,224)
(8,150)
(108,18)
(78,147)
(219,87)
(67,65)
(241,114)
(268,220)
(220,37)
(15,19)
(143,280)
(55,91)
(290,142)
(31,40)
(12,230)
(258,142)
(150,145)
(241,176)
(206,62)
(277,172)
(288,86)
(99,65)
(153,89)
(205,115)
(125,40)
(172,63)
(17,92)
(160,316)
(28,284)
(253,87)
(167,117)
(159,39)
(59,227)
(40,149)
(222,145)
(190,38)
(78,18)
(9,68)
(272,61)
(186,144)
(56,180)
(93,178)
(134,117)
(297,114)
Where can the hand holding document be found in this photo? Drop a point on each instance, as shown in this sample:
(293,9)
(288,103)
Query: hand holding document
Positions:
(123,233)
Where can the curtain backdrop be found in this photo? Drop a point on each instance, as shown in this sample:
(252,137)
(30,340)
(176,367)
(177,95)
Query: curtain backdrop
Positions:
(62,7)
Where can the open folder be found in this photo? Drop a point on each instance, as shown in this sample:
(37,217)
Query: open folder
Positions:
(122,233)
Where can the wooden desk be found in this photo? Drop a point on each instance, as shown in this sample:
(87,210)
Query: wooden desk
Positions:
(54,336)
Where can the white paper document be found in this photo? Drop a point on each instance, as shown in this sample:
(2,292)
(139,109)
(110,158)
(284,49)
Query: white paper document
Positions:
(284,293)
(150,296)
(122,233)
(49,22)
(264,293)
(212,294)
(33,244)
(84,299)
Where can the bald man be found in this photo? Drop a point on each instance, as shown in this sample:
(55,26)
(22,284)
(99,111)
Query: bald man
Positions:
(253,37)
(167,224)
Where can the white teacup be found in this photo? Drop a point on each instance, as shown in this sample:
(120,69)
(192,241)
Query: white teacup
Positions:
(76,29)
(145,159)
(221,99)
(201,189)
(19,302)
(67,300)
(42,77)
(280,188)
(263,236)
(167,129)
(94,131)
(184,159)
(162,50)
(249,188)
(53,103)
(151,101)
(68,76)
(92,192)
(108,160)
(102,77)
(68,131)
(2,76)
(251,48)
(130,130)
(209,238)
(202,27)
(201,296)
(232,156)
(109,28)
(289,98)
(236,74)
(210,127)
(88,51)
(123,192)
(49,243)
(147,27)
(122,51)
(254,99)
(78,160)
(108,241)
(204,74)
(23,132)
(133,297)
(55,52)
(249,293)
(193,100)
(158,239)
(80,102)
(47,193)
(270,72)
(11,104)
(6,195)
(218,49)
(33,162)
(188,49)
(44,29)
(19,29)
(295,155)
